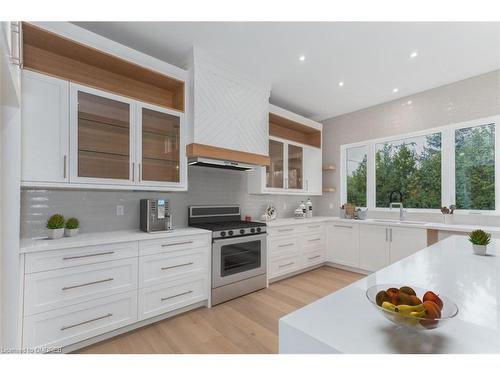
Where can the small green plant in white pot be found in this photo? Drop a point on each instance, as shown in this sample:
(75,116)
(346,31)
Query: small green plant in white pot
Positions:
(480,240)
(72,227)
(55,226)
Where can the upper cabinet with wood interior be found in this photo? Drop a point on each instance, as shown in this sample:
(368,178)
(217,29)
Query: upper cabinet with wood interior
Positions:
(95,118)
(295,157)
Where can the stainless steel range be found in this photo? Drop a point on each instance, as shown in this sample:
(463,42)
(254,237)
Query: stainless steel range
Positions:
(239,251)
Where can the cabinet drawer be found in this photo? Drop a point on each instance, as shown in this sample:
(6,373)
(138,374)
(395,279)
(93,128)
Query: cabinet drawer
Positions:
(163,245)
(283,246)
(157,268)
(313,228)
(160,299)
(312,258)
(282,266)
(75,323)
(51,260)
(314,241)
(58,288)
(285,230)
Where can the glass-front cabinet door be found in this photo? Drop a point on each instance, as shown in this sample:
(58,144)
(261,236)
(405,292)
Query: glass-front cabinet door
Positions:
(275,170)
(101,137)
(295,162)
(159,145)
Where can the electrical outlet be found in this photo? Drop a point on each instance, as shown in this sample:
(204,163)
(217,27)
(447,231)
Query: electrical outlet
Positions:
(120,210)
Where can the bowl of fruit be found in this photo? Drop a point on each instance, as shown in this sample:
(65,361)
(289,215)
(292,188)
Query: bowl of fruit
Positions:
(414,308)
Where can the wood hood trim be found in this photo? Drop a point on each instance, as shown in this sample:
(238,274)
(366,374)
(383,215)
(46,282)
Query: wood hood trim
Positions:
(201,150)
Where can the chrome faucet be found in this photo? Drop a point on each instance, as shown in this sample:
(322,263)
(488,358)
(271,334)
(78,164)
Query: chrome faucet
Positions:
(400,203)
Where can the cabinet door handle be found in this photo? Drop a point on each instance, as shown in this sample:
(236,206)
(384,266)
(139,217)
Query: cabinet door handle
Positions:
(286,244)
(86,321)
(176,295)
(286,183)
(386,235)
(314,257)
(133,171)
(314,239)
(391,234)
(88,255)
(86,284)
(140,177)
(176,266)
(65,163)
(286,264)
(342,226)
(176,243)
(285,230)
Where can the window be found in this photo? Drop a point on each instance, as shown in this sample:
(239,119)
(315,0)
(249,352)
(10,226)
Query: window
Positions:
(411,166)
(356,161)
(453,164)
(475,167)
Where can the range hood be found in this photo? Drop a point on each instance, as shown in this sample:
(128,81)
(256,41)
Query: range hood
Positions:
(221,164)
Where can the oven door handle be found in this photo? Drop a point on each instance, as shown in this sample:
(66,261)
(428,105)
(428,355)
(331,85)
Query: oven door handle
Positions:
(242,239)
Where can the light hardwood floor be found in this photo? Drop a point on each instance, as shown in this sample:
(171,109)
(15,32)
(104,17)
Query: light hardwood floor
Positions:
(248,324)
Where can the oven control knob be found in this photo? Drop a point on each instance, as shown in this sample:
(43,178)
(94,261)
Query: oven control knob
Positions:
(252,230)
(259,229)
(223,234)
(242,231)
(230,232)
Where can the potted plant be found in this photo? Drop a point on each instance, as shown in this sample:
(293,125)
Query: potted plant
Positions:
(55,226)
(72,227)
(480,240)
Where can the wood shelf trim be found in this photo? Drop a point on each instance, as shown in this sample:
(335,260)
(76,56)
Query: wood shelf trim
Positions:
(219,153)
(55,55)
(330,168)
(293,131)
(329,190)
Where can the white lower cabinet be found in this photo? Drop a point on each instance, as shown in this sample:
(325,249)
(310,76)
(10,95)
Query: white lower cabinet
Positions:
(405,242)
(78,293)
(373,247)
(343,245)
(295,247)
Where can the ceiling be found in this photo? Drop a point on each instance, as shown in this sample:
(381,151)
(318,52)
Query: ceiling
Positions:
(371,58)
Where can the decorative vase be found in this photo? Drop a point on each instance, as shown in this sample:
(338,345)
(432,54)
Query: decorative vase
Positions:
(448,219)
(54,234)
(71,232)
(479,249)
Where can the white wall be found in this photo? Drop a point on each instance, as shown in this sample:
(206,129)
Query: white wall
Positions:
(10,159)
(465,100)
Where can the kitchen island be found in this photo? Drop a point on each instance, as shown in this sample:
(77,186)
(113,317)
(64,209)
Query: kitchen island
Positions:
(346,322)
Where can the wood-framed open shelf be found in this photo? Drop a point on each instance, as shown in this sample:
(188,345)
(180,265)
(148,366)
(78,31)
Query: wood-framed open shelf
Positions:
(55,55)
(282,127)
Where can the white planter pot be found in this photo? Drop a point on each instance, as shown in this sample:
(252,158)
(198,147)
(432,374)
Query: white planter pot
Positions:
(54,234)
(71,232)
(479,249)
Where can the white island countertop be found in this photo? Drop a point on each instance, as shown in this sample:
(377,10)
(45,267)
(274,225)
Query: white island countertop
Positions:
(346,322)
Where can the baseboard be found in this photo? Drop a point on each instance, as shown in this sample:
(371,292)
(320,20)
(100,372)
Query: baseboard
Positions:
(131,327)
(347,268)
(294,273)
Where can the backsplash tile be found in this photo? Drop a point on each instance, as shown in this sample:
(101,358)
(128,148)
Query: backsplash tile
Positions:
(96,210)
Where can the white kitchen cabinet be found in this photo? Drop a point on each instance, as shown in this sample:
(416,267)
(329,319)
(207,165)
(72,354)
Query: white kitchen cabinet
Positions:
(343,245)
(405,242)
(313,175)
(373,247)
(45,128)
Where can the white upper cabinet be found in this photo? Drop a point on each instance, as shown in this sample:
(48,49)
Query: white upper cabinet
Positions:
(295,157)
(45,130)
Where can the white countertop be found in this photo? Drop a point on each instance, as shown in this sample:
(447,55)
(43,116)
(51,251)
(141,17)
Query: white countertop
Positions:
(346,322)
(89,239)
(395,223)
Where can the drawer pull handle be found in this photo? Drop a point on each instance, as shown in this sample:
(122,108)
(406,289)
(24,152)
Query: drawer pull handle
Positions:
(314,226)
(315,239)
(314,257)
(87,321)
(176,295)
(176,243)
(286,264)
(177,265)
(86,284)
(286,244)
(343,226)
(88,255)
(285,230)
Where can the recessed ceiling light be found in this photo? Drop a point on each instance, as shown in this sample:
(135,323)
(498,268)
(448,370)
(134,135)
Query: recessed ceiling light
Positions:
(409,102)
(413,54)
(302,58)
(395,90)
(341,83)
